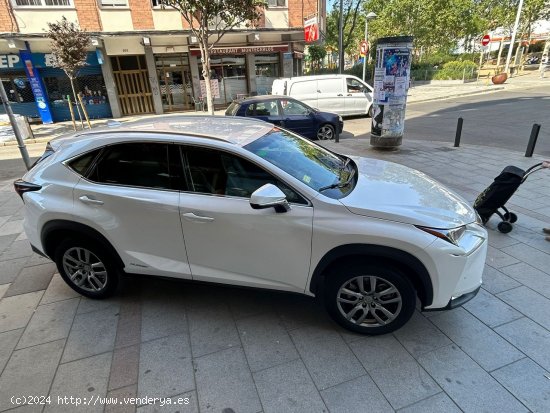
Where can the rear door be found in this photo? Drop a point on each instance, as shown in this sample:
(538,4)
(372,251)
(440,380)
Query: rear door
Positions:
(298,118)
(305,91)
(331,95)
(268,111)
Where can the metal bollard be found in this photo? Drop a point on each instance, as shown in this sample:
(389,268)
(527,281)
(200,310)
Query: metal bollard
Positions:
(458,132)
(532,140)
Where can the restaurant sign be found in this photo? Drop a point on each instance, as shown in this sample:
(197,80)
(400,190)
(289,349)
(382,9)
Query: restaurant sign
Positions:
(242,50)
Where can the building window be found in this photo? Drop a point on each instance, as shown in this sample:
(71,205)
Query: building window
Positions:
(113,3)
(276,3)
(43,3)
(267,70)
(159,4)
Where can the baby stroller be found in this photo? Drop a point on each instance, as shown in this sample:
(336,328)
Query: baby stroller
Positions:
(495,196)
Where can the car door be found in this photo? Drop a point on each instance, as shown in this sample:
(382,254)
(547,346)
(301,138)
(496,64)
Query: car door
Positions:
(228,241)
(298,118)
(131,195)
(268,111)
(357,97)
(331,95)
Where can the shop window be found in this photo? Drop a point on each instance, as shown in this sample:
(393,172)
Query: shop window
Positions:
(230,72)
(276,3)
(43,3)
(113,3)
(267,70)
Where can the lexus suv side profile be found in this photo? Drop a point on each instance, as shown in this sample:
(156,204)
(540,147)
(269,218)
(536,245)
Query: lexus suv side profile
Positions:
(241,202)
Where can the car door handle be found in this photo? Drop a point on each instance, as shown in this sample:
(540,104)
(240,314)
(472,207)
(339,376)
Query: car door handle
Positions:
(190,216)
(349,94)
(339,94)
(88,200)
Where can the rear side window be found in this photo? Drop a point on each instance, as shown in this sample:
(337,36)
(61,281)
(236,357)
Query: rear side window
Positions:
(136,164)
(81,164)
(269,108)
(232,109)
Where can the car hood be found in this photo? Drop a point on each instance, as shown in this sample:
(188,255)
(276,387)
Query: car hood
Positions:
(391,191)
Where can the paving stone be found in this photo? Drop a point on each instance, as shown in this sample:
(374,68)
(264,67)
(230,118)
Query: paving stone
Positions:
(89,305)
(297,311)
(528,382)
(9,270)
(32,279)
(29,372)
(6,240)
(18,249)
(533,256)
(8,341)
(37,259)
(530,338)
(400,378)
(165,367)
(476,339)
(58,290)
(129,324)
(246,303)
(420,336)
(11,227)
(530,277)
(287,388)
(91,333)
(86,378)
(124,367)
(498,258)
(470,387)
(355,396)
(500,240)
(50,322)
(495,281)
(224,382)
(491,310)
(265,341)
(163,315)
(15,312)
(435,404)
(117,397)
(530,303)
(22,237)
(182,403)
(211,328)
(326,356)
(29,408)
(3,289)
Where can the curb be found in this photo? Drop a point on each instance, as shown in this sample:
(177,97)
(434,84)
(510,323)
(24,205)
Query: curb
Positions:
(477,92)
(26,141)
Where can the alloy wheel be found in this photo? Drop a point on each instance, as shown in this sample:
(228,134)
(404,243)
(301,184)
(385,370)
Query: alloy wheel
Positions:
(85,269)
(369,301)
(325,132)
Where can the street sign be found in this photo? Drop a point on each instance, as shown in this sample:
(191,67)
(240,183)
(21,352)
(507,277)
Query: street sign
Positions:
(364,49)
(486,40)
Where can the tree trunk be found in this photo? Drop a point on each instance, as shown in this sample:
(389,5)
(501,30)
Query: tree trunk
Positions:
(205,58)
(75,98)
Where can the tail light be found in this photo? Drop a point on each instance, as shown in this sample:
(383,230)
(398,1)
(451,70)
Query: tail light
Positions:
(22,186)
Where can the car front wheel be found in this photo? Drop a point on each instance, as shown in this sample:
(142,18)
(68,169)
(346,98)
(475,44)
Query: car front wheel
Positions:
(326,132)
(87,268)
(369,299)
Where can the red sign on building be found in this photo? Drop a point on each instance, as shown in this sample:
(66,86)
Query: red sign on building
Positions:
(311,30)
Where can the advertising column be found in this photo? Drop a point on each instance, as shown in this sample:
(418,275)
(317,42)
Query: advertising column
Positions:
(37,87)
(391,83)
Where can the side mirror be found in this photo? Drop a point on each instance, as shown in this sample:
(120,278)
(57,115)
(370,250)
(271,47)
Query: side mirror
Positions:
(269,196)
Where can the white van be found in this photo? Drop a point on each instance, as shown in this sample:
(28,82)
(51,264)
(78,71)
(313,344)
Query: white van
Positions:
(341,94)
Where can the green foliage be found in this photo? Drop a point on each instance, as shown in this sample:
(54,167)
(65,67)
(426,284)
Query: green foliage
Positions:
(456,70)
(69,45)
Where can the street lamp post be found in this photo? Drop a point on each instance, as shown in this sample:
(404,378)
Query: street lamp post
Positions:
(368,17)
(341,39)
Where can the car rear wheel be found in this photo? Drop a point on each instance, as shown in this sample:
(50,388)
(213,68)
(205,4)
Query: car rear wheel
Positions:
(326,132)
(369,299)
(87,268)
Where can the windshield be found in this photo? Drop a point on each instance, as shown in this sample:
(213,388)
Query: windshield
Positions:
(315,166)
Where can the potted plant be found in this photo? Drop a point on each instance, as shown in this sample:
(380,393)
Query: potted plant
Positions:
(500,78)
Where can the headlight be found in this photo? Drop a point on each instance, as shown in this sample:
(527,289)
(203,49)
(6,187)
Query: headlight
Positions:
(450,235)
(340,118)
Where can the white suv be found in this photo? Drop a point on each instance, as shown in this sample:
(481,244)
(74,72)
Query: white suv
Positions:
(241,202)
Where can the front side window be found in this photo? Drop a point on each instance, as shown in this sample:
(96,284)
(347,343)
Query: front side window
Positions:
(354,86)
(293,107)
(219,173)
(269,108)
(140,164)
(313,165)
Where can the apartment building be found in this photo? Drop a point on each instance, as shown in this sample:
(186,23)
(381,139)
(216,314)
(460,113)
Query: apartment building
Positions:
(142,57)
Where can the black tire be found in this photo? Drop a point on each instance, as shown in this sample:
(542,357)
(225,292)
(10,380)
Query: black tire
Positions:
(326,132)
(369,112)
(511,217)
(505,227)
(102,267)
(385,277)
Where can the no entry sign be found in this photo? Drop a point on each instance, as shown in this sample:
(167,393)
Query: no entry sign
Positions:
(486,40)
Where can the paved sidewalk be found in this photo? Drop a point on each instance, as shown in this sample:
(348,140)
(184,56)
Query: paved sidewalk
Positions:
(232,350)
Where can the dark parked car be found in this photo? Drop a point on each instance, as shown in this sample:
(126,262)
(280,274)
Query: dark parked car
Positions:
(290,114)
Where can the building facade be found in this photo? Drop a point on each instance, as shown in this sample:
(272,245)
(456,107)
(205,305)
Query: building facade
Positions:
(143,58)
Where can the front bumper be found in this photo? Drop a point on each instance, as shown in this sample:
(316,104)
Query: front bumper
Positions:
(455,302)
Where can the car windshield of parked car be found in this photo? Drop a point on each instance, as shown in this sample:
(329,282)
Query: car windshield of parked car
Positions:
(304,160)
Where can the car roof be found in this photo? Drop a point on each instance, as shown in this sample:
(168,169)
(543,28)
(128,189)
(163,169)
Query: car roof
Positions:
(235,130)
(262,98)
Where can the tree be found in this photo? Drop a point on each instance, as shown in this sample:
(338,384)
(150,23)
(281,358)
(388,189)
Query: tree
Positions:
(316,54)
(210,20)
(353,21)
(69,49)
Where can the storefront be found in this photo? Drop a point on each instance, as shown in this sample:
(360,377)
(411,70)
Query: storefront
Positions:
(175,83)
(89,84)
